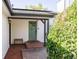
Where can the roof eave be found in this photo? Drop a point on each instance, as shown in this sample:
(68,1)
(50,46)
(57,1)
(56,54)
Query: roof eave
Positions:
(7,2)
(27,14)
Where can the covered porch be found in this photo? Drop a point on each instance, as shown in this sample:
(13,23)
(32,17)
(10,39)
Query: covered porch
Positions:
(37,44)
(29,25)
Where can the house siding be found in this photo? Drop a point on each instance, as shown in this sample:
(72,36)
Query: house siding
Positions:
(5,35)
(5,30)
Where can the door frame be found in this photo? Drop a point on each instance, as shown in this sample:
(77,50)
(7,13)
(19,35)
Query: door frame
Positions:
(29,29)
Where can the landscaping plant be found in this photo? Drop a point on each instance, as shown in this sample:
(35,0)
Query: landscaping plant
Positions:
(62,37)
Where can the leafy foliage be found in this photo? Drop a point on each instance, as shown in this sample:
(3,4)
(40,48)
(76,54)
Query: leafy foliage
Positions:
(36,7)
(62,37)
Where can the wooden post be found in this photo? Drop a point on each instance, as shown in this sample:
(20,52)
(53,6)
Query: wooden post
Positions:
(9,32)
(44,32)
(47,26)
(47,35)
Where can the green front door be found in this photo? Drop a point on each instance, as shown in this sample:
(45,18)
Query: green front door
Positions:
(32,30)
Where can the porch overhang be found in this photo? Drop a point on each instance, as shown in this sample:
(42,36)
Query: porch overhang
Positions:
(17,13)
(42,15)
(31,14)
(26,18)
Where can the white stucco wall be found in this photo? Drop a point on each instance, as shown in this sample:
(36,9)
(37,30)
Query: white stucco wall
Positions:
(20,29)
(5,30)
(40,31)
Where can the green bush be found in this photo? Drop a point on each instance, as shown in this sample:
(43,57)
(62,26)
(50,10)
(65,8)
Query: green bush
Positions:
(62,38)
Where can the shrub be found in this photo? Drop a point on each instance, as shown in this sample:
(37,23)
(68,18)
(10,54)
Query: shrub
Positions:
(62,36)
